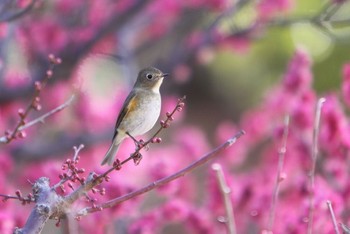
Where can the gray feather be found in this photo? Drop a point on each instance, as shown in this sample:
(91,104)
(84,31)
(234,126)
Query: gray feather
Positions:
(110,155)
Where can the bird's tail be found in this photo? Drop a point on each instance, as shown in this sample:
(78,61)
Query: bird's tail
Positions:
(110,155)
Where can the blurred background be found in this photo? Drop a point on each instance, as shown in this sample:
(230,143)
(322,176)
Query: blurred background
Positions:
(223,55)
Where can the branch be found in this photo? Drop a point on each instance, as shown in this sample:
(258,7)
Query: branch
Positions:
(225,192)
(279,177)
(7,14)
(346,229)
(205,158)
(314,159)
(47,203)
(40,119)
(334,220)
(50,205)
(322,20)
(33,105)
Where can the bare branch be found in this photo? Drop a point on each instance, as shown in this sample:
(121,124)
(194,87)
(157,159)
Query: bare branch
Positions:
(225,192)
(314,159)
(334,220)
(345,228)
(40,119)
(207,157)
(279,177)
(9,14)
(34,103)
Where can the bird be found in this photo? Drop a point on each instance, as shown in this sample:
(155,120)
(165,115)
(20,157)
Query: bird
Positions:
(140,110)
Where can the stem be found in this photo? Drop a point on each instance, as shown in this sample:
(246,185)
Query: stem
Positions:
(314,154)
(44,116)
(225,192)
(209,156)
(279,179)
(334,221)
(76,154)
(40,119)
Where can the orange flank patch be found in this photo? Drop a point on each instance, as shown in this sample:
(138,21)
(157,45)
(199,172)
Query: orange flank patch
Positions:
(132,105)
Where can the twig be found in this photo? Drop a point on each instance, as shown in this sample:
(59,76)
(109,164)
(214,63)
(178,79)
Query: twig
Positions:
(346,229)
(70,172)
(44,116)
(322,20)
(23,199)
(209,156)
(334,221)
(279,179)
(7,15)
(225,192)
(314,153)
(34,103)
(41,119)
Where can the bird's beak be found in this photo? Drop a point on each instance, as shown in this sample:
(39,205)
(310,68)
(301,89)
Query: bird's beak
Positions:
(165,74)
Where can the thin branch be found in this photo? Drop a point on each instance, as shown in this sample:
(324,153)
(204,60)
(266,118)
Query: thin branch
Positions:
(40,119)
(34,103)
(44,116)
(9,15)
(225,192)
(345,228)
(314,153)
(279,178)
(69,172)
(207,157)
(334,220)
(322,20)
(22,199)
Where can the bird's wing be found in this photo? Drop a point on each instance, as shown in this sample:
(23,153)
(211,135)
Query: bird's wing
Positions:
(128,106)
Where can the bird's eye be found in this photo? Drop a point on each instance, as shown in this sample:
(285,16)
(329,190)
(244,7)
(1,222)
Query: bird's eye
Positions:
(149,76)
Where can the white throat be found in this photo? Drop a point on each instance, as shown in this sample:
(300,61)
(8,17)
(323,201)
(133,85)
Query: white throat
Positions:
(156,87)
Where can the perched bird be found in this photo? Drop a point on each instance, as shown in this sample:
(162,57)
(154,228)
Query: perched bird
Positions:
(140,110)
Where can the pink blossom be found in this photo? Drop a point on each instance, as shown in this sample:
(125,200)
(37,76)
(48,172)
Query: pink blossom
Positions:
(65,6)
(268,8)
(148,224)
(334,135)
(181,73)
(237,44)
(175,210)
(192,141)
(3,30)
(298,77)
(46,36)
(205,55)
(302,115)
(199,221)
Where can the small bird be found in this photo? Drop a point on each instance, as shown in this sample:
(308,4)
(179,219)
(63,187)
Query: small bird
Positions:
(140,110)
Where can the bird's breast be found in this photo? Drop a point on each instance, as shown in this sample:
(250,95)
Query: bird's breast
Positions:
(144,114)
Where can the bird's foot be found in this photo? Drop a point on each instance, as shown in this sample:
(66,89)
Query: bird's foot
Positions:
(139,144)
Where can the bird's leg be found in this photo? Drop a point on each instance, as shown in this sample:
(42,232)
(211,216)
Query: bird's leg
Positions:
(139,143)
